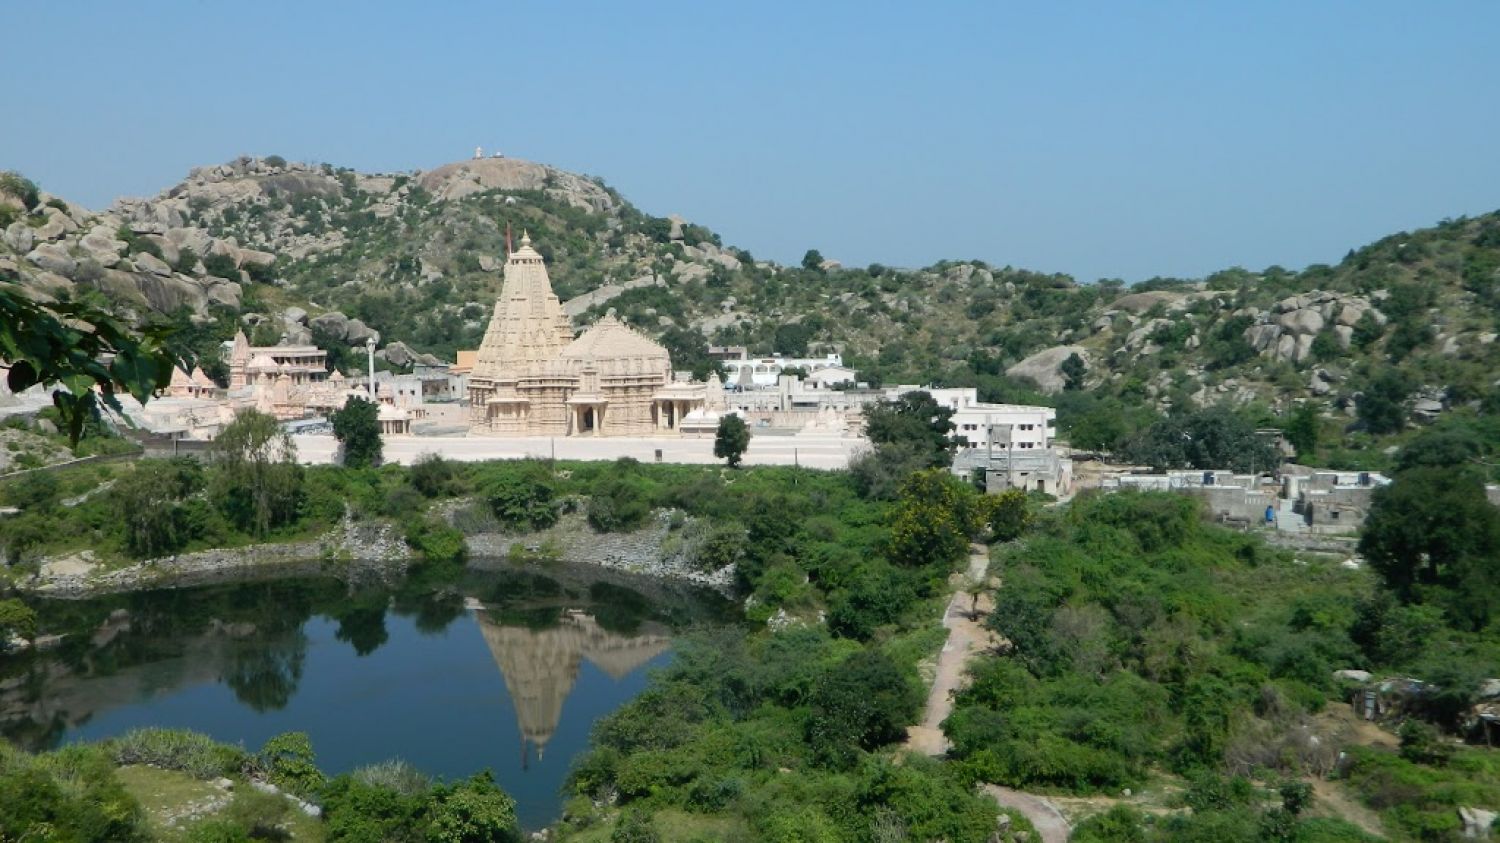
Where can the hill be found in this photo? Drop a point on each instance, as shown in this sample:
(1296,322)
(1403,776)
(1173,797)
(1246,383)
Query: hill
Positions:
(315,252)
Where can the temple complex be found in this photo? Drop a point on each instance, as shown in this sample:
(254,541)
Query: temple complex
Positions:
(532,377)
(251,364)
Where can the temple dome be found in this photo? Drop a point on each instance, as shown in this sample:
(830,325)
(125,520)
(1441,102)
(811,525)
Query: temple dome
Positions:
(612,341)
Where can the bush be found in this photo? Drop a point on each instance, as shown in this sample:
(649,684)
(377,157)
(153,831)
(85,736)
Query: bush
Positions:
(620,504)
(522,497)
(174,749)
(434,476)
(289,763)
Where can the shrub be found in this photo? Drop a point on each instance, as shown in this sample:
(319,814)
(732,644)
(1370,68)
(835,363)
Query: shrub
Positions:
(395,775)
(289,763)
(174,749)
(434,476)
(620,503)
(522,497)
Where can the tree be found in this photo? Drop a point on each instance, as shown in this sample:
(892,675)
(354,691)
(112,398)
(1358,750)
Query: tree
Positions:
(68,342)
(16,620)
(1073,369)
(150,503)
(474,811)
(1432,534)
(357,427)
(1302,429)
(863,702)
(1009,515)
(1213,438)
(1382,406)
(915,418)
(257,482)
(813,260)
(934,520)
(731,440)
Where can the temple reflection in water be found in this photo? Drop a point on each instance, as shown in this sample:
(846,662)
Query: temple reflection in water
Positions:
(540,666)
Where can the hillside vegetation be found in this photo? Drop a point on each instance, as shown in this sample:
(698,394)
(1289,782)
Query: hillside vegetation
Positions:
(1405,326)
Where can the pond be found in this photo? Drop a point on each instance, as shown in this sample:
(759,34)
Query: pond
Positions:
(455,671)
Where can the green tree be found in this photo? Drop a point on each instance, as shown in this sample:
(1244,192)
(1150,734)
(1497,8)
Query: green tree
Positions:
(1008,514)
(474,811)
(151,502)
(1382,406)
(1212,438)
(863,702)
(79,346)
(915,419)
(521,497)
(731,439)
(1073,371)
(813,260)
(1433,534)
(16,620)
(357,427)
(1302,430)
(934,519)
(257,481)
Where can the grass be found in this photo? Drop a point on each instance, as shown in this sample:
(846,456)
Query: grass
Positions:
(167,795)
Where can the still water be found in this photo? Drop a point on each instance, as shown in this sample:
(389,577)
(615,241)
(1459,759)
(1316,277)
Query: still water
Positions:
(454,672)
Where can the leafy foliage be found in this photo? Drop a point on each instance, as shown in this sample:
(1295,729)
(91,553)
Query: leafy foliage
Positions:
(731,440)
(357,428)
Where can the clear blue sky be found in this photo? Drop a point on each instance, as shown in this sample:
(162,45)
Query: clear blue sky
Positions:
(1102,139)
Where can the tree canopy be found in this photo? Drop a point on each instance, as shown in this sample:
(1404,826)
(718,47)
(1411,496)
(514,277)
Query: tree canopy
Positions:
(731,440)
(81,347)
(357,427)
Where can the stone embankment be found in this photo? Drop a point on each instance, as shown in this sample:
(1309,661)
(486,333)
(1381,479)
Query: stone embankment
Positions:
(664,549)
(652,551)
(353,549)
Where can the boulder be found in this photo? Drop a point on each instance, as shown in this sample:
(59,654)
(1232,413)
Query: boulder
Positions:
(726,260)
(686,272)
(255,257)
(147,262)
(1043,366)
(333,323)
(487,263)
(1353,675)
(1286,347)
(1262,337)
(397,354)
(1345,335)
(169,251)
(53,258)
(102,245)
(19,237)
(191,238)
(225,292)
(298,334)
(294,314)
(1302,322)
(356,332)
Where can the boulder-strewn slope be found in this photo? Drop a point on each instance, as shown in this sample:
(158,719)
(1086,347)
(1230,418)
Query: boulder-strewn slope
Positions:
(314,252)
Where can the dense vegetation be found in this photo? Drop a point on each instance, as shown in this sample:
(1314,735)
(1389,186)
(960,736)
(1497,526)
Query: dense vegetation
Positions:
(1145,642)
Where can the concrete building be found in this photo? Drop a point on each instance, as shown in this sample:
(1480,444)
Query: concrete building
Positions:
(748,373)
(999,427)
(531,377)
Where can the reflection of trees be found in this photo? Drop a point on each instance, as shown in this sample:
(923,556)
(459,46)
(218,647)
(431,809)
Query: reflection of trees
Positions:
(363,627)
(264,674)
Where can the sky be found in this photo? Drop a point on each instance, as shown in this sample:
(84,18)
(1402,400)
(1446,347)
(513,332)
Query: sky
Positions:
(1100,139)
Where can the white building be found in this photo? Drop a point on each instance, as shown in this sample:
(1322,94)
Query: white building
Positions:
(749,372)
(997,427)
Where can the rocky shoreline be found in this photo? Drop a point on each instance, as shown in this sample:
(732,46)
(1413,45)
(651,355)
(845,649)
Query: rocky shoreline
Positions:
(352,549)
(358,550)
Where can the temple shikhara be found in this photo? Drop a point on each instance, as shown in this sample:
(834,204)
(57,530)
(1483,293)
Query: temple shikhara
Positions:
(532,377)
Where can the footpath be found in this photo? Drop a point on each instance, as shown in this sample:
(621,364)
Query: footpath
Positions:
(967,637)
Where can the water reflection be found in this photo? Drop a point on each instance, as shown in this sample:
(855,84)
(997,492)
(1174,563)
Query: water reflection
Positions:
(540,666)
(453,670)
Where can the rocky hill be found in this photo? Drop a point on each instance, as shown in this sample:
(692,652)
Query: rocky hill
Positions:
(323,254)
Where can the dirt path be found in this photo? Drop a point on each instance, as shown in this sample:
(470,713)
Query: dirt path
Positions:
(1049,821)
(967,637)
